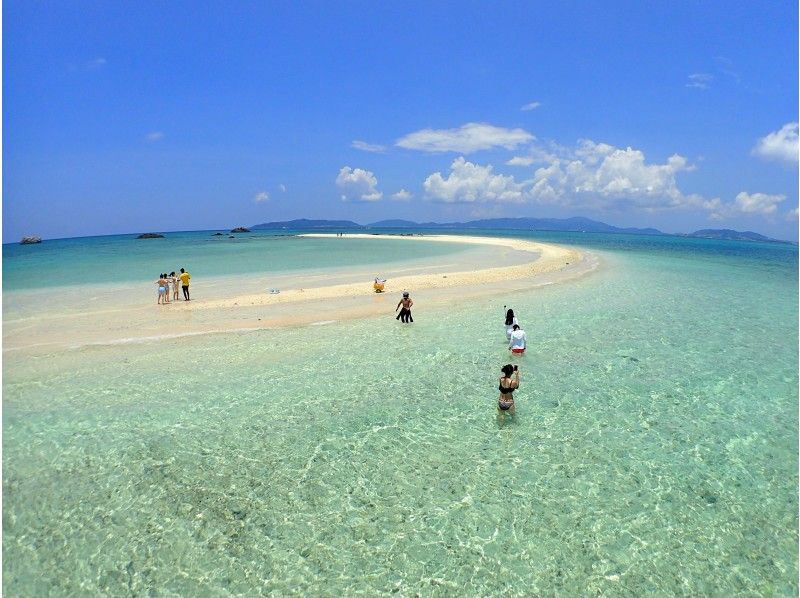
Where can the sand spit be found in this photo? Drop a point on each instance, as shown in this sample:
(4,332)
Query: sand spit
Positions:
(546,258)
(303,299)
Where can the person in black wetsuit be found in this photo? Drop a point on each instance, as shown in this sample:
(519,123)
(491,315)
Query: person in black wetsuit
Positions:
(405,314)
(507,386)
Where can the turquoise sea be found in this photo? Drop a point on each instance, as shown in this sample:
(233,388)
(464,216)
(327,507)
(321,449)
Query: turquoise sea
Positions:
(654,450)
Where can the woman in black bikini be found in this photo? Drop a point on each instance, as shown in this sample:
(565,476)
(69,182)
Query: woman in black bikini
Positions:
(507,386)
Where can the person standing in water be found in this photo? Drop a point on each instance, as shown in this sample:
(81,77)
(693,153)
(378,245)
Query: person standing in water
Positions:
(518,340)
(185,283)
(405,314)
(511,319)
(507,386)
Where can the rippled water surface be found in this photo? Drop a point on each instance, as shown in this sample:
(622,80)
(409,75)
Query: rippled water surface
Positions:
(654,448)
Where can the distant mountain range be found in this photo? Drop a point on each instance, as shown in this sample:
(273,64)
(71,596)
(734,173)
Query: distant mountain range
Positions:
(576,224)
(732,235)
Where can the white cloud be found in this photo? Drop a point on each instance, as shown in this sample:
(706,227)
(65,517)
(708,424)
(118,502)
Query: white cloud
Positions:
(96,63)
(358,185)
(282,187)
(536,155)
(402,195)
(154,136)
(757,203)
(261,197)
(591,175)
(792,214)
(521,161)
(466,139)
(368,147)
(607,175)
(746,204)
(779,145)
(700,80)
(531,106)
(468,182)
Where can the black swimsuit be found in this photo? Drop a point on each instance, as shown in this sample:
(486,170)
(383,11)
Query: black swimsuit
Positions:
(505,406)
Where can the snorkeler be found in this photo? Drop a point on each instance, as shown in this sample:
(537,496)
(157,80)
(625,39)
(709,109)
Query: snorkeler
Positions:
(405,314)
(507,386)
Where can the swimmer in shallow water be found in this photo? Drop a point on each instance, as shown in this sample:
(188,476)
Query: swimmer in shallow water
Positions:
(507,386)
(405,314)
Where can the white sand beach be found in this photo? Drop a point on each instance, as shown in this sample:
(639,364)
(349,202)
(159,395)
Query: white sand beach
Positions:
(121,315)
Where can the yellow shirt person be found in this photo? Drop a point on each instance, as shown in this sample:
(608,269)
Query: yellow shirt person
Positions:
(185,283)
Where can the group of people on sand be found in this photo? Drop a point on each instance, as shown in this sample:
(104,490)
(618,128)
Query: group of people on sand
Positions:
(172,282)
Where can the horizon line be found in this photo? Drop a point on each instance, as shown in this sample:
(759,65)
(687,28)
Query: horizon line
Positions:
(218,229)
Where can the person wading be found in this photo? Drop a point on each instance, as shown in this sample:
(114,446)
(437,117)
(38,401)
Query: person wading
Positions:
(405,314)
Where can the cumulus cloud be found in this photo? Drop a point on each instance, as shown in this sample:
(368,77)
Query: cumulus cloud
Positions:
(358,185)
(608,175)
(779,145)
(261,197)
(746,204)
(590,175)
(468,182)
(593,175)
(466,139)
(700,80)
(154,136)
(402,195)
(792,214)
(531,106)
(368,147)
(536,155)
(757,203)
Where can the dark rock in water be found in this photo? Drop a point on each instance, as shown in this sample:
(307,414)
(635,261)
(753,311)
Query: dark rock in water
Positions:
(30,240)
(240,229)
(218,235)
(150,236)
(231,237)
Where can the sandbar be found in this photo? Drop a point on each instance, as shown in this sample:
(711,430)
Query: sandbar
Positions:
(303,299)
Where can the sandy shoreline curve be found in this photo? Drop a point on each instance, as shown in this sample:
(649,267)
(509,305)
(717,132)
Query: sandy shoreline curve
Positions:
(320,300)
(546,258)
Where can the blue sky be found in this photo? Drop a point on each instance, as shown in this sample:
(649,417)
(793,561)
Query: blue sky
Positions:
(154,116)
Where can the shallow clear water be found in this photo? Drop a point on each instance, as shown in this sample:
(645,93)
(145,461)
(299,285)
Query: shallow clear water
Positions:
(654,448)
(123,258)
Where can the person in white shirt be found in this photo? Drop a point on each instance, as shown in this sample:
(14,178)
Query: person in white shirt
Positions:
(511,319)
(518,340)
